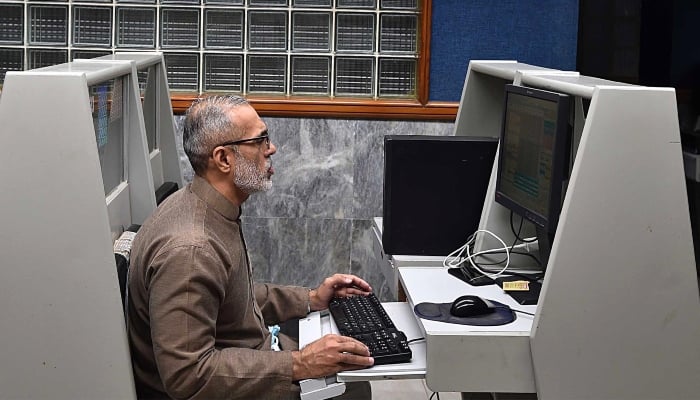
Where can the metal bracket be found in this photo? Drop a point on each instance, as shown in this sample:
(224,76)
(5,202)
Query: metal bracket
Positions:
(321,388)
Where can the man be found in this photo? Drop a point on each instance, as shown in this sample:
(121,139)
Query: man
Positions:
(197,323)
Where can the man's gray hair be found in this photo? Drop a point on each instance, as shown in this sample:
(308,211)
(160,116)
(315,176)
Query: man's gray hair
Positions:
(207,124)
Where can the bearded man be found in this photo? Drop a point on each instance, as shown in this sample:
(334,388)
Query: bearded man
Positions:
(197,323)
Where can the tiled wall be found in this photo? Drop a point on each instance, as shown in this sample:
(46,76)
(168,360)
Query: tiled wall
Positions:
(316,219)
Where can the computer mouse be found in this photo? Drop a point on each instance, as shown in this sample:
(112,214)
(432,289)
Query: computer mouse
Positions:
(471,306)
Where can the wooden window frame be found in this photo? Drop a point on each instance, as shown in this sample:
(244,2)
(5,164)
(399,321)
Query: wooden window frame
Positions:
(313,107)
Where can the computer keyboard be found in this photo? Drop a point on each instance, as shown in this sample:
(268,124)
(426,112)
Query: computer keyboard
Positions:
(364,318)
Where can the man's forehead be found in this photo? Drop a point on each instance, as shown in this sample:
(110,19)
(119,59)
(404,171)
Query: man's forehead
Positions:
(248,119)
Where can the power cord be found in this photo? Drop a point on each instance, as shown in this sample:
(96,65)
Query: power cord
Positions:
(457,257)
(516,310)
(415,340)
(433,395)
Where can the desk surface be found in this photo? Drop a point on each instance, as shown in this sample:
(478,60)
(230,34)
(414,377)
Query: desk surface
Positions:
(436,285)
(464,358)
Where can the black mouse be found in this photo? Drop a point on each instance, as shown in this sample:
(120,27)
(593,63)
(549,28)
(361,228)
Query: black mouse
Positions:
(471,306)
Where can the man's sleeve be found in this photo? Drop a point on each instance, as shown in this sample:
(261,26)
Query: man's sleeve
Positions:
(186,287)
(281,303)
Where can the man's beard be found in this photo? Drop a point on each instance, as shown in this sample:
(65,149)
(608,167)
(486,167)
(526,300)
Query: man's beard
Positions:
(248,176)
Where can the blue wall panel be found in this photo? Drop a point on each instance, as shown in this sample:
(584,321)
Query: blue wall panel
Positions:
(539,32)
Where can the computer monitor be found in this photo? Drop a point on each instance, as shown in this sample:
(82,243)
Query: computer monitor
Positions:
(534,157)
(434,191)
(108,108)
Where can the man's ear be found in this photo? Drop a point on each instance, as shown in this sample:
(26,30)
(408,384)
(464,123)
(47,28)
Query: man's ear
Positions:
(221,159)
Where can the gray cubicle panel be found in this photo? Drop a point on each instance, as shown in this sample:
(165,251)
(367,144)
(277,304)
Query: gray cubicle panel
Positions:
(157,114)
(60,210)
(619,313)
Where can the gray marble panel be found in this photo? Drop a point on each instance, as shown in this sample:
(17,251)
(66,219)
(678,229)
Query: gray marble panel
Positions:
(362,260)
(328,185)
(368,174)
(187,172)
(297,251)
(313,170)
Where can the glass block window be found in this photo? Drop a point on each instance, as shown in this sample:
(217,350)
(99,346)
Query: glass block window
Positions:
(321,48)
(266,74)
(92,26)
(312,3)
(355,33)
(48,25)
(11,60)
(223,29)
(182,71)
(397,77)
(354,76)
(311,75)
(398,33)
(356,3)
(86,54)
(179,28)
(311,31)
(11,23)
(267,30)
(399,4)
(39,58)
(223,73)
(136,27)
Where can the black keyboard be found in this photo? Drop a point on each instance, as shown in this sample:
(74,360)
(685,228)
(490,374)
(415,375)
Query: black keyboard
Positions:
(364,318)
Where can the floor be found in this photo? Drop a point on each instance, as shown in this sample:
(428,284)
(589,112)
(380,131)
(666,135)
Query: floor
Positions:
(409,389)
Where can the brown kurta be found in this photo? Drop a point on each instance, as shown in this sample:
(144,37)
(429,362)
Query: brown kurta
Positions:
(197,323)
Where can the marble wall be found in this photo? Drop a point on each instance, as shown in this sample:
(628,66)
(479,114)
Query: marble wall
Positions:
(316,220)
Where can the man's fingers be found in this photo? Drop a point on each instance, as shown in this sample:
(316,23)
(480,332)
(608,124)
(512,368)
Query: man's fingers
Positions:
(353,360)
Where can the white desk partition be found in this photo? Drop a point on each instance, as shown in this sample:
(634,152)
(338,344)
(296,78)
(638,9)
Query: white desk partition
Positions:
(619,313)
(66,131)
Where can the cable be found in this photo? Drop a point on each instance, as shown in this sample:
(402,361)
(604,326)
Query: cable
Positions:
(523,312)
(515,310)
(517,235)
(456,258)
(433,395)
(457,254)
(415,340)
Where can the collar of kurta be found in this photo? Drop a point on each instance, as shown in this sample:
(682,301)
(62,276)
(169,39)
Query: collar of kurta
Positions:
(214,199)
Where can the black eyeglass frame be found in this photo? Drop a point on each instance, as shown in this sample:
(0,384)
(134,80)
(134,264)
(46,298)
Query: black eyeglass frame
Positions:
(257,140)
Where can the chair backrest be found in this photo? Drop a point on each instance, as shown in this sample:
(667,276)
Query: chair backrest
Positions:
(122,252)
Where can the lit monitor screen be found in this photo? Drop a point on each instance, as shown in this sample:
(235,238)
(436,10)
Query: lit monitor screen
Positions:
(149,101)
(107,100)
(533,158)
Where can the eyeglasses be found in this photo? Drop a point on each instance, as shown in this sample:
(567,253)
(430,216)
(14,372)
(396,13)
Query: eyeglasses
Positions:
(255,140)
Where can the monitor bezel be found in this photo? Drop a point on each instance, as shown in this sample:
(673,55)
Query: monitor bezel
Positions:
(560,172)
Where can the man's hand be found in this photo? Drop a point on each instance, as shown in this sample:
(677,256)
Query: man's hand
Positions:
(330,355)
(338,285)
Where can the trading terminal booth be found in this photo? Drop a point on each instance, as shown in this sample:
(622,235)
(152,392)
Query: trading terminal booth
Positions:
(81,164)
(618,315)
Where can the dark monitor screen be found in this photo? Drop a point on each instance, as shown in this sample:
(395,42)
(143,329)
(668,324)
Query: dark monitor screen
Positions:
(534,153)
(434,191)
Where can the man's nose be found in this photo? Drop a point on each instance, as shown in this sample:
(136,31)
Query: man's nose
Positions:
(271,150)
